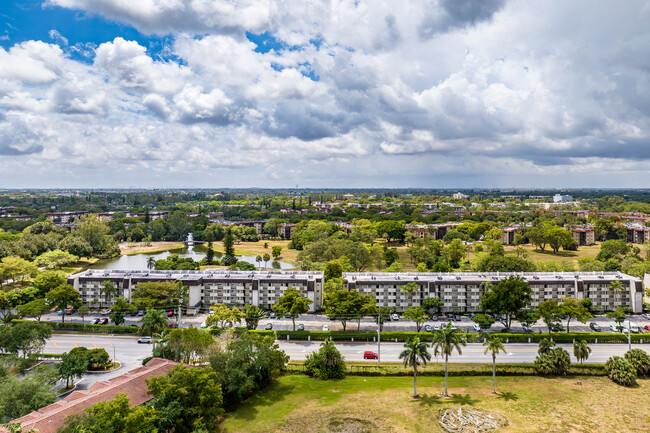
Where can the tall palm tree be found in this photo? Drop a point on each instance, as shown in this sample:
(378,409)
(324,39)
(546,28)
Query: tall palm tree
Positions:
(414,352)
(258,259)
(162,339)
(153,322)
(581,350)
(151,262)
(444,342)
(545,346)
(107,290)
(617,287)
(494,345)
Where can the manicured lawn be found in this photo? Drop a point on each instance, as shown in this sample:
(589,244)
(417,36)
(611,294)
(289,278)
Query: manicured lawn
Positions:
(297,403)
(257,248)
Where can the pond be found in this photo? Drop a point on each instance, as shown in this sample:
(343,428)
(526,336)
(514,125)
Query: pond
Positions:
(196,252)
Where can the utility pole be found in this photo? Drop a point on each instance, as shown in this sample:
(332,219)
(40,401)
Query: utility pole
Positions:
(629,334)
(379,340)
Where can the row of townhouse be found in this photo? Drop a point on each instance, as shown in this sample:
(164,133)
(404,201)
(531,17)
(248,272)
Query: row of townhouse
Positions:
(460,292)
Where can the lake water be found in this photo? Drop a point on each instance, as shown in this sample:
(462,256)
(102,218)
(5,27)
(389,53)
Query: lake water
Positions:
(197,252)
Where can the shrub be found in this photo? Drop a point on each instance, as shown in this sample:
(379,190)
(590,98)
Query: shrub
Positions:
(640,360)
(554,361)
(621,371)
(325,364)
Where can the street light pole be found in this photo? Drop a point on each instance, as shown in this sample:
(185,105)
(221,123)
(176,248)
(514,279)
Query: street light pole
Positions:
(629,334)
(379,341)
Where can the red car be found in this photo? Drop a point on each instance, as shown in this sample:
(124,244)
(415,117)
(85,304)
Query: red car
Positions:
(103,321)
(368,354)
(647,327)
(170,313)
(173,325)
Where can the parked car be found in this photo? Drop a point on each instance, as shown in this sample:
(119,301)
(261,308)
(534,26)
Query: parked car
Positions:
(141,313)
(434,318)
(287,316)
(95,321)
(453,325)
(105,312)
(70,311)
(556,327)
(369,354)
(646,316)
(144,340)
(427,328)
(203,325)
(103,321)
(647,327)
(394,317)
(173,325)
(60,313)
(476,327)
(526,328)
(301,327)
(273,315)
(170,313)
(613,328)
(635,329)
(268,326)
(326,328)
(594,327)
(457,318)
(436,327)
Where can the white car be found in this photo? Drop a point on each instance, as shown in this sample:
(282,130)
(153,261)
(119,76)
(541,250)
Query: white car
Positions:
(326,328)
(203,325)
(436,327)
(394,317)
(646,316)
(613,328)
(477,328)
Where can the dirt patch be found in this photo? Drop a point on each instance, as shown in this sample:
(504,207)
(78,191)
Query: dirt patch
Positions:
(349,425)
(468,420)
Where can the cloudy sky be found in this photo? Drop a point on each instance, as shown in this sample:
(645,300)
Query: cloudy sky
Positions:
(338,93)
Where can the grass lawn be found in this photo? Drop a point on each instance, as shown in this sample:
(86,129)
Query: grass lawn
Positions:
(257,249)
(298,403)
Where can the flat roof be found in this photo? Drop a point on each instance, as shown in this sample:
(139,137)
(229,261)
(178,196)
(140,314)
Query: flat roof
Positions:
(483,276)
(196,275)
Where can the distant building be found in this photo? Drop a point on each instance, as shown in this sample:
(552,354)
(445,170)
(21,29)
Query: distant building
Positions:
(583,234)
(460,196)
(637,233)
(559,198)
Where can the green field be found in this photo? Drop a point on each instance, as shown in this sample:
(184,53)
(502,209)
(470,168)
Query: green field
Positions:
(298,403)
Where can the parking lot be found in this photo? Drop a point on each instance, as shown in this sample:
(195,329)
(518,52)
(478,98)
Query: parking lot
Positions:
(315,322)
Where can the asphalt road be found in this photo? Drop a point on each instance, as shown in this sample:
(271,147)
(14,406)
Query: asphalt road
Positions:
(130,353)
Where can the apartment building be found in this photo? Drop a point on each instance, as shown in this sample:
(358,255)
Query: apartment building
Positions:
(65,217)
(205,288)
(583,234)
(637,233)
(461,292)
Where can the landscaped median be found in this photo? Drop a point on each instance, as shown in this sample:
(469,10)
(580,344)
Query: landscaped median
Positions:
(90,329)
(472,337)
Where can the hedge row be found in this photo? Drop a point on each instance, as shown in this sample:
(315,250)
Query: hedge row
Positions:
(90,329)
(472,337)
(465,370)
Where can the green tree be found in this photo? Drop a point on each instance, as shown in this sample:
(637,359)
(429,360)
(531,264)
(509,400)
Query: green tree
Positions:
(619,317)
(73,364)
(83,312)
(107,289)
(528,317)
(246,365)
(221,314)
(75,245)
(494,345)
(414,353)
(153,322)
(617,287)
(555,361)
(35,308)
(507,298)
(96,234)
(433,303)
(16,269)
(229,248)
(266,257)
(326,363)
(640,359)
(571,308)
(18,397)
(157,295)
(61,297)
(621,371)
(545,346)
(292,303)
(55,259)
(48,280)
(416,314)
(151,262)
(392,230)
(484,321)
(276,251)
(581,350)
(252,315)
(192,395)
(344,305)
(445,341)
(190,344)
(258,259)
(27,337)
(550,311)
(121,308)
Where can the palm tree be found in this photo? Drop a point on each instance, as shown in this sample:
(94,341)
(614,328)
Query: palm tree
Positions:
(545,346)
(494,345)
(414,352)
(618,288)
(107,290)
(581,350)
(162,339)
(444,342)
(153,322)
(258,259)
(151,262)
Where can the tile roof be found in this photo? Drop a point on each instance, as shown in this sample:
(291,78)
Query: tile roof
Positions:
(49,418)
